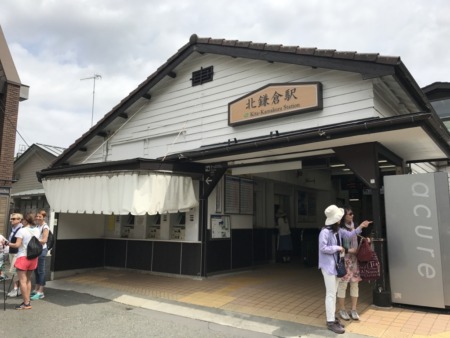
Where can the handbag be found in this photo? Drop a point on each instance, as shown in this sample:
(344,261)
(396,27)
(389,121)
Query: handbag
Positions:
(340,267)
(364,253)
(370,270)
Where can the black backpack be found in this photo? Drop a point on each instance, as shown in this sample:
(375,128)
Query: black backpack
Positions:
(50,240)
(13,240)
(34,247)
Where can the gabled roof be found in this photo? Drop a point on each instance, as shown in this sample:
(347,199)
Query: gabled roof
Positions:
(34,148)
(370,65)
(54,150)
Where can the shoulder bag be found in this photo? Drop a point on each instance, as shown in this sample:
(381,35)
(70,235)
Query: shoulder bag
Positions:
(340,266)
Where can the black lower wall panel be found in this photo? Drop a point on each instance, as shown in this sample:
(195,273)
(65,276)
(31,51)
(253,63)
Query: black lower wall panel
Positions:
(310,246)
(191,259)
(263,240)
(296,234)
(115,253)
(242,248)
(79,254)
(166,257)
(139,255)
(218,255)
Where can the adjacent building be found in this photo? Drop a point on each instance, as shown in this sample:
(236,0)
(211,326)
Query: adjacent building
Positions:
(27,193)
(12,91)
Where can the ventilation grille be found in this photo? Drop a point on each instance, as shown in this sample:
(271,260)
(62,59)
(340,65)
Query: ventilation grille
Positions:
(202,76)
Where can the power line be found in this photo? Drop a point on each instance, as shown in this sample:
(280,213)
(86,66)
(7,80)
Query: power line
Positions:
(12,125)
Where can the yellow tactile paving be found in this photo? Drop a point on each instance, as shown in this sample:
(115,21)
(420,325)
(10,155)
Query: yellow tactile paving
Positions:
(207,299)
(289,292)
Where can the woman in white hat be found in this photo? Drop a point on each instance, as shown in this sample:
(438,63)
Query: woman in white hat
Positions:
(330,246)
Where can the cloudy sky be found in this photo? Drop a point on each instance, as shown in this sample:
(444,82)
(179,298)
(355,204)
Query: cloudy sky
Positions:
(57,43)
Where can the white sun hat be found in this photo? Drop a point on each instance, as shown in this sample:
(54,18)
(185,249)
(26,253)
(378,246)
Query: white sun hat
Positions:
(334,214)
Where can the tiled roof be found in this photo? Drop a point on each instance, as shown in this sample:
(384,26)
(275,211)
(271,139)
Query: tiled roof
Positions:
(299,50)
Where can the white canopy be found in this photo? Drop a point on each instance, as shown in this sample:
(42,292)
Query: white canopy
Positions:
(121,193)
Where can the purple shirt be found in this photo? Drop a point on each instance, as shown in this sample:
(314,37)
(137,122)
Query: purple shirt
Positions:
(328,247)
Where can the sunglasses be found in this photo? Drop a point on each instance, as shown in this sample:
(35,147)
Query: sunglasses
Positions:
(350,214)
(14,218)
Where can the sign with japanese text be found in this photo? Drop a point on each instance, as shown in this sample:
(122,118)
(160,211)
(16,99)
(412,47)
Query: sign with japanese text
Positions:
(275,100)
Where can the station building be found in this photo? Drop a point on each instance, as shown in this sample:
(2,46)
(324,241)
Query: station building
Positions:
(185,174)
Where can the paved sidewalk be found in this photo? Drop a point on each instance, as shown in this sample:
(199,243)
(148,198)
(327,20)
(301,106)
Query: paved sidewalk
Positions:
(283,300)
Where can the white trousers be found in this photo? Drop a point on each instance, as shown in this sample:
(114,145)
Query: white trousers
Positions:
(331,284)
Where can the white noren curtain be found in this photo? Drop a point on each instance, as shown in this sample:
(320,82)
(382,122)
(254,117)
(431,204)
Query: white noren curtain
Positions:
(121,193)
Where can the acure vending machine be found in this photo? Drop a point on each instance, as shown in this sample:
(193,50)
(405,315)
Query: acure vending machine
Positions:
(418,236)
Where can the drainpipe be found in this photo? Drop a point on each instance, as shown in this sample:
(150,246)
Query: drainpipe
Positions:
(203,221)
(381,293)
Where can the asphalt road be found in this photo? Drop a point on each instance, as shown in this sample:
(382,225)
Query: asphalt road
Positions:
(66,313)
(71,314)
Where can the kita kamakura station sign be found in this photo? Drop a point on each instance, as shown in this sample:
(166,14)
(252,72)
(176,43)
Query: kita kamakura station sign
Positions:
(275,100)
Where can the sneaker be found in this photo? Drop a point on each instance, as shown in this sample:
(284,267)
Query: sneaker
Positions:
(339,322)
(344,315)
(335,327)
(37,296)
(355,315)
(33,293)
(14,293)
(23,306)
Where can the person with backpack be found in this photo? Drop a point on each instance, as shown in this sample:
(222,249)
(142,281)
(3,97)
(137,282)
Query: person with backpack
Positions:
(16,224)
(25,266)
(39,273)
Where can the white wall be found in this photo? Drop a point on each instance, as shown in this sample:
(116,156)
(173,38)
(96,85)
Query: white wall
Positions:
(180,117)
(78,226)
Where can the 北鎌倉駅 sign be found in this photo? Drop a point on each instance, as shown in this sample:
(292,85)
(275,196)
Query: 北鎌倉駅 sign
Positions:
(275,100)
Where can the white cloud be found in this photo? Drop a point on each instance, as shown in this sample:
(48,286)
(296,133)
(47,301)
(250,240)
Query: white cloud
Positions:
(55,43)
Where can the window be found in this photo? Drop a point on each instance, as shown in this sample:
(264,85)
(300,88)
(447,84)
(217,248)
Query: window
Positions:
(238,195)
(442,108)
(202,76)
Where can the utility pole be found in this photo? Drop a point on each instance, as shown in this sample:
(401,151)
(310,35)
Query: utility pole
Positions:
(95,77)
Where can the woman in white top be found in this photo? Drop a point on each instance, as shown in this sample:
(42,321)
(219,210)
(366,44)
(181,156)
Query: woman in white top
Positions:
(284,236)
(25,266)
(39,273)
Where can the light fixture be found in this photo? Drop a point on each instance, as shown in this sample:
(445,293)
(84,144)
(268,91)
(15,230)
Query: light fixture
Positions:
(269,167)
